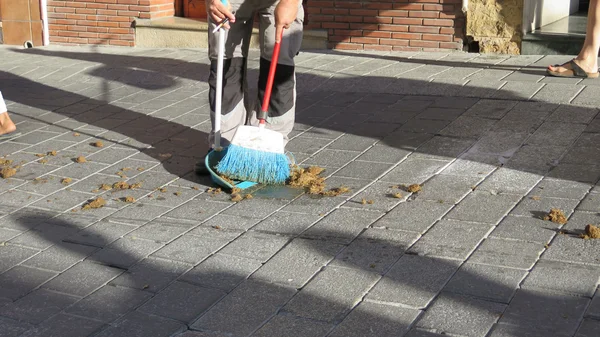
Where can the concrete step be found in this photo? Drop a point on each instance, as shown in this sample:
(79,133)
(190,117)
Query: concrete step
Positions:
(177,32)
(562,37)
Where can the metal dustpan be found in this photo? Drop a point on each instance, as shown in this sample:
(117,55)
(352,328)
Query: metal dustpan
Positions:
(212,159)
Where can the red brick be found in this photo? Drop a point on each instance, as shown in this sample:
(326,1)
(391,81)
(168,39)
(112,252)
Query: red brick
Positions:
(447,30)
(408,7)
(364,40)
(64,10)
(335,25)
(344,4)
(377,5)
(437,37)
(85,11)
(423,29)
(423,14)
(336,38)
(96,6)
(77,40)
(128,2)
(56,27)
(408,21)
(57,15)
(121,43)
(406,36)
(118,7)
(76,16)
(346,46)
(107,12)
(56,3)
(97,41)
(88,35)
(321,18)
(312,10)
(377,19)
(334,11)
(119,18)
(375,33)
(54,38)
(96,18)
(121,31)
(393,42)
(87,23)
(348,18)
(108,24)
(447,15)
(438,22)
(363,12)
(377,47)
(128,13)
(68,34)
(139,8)
(65,22)
(97,29)
(393,28)
(423,44)
(77,28)
(347,32)
(431,7)
(325,4)
(393,12)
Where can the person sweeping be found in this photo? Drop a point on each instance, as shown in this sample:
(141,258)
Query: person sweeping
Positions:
(280,22)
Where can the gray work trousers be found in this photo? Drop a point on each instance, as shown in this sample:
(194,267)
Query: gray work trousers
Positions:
(237,108)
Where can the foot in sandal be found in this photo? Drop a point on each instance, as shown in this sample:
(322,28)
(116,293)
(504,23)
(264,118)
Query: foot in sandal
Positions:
(574,68)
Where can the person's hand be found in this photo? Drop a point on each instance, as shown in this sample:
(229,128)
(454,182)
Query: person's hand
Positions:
(217,12)
(285,13)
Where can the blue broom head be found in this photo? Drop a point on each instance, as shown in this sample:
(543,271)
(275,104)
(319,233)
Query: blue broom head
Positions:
(262,167)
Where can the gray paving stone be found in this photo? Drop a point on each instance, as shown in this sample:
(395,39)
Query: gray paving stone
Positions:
(286,223)
(582,155)
(109,303)
(331,158)
(588,328)
(308,145)
(124,252)
(485,207)
(416,332)
(416,216)
(193,249)
(507,253)
(342,225)
(221,271)
(413,281)
(448,188)
(297,263)
(257,208)
(255,245)
(500,143)
(16,198)
(507,330)
(451,239)
(425,125)
(525,228)
(79,171)
(556,133)
(137,324)
(160,230)
(486,282)
(11,328)
(556,314)
(573,249)
(200,334)
(137,211)
(43,236)
(587,97)
(11,256)
(593,310)
(182,302)
(440,113)
(414,170)
(557,93)
(363,170)
(468,127)
(376,319)
(444,148)
(571,279)
(60,257)
(538,207)
(506,180)
(37,306)
(100,234)
(490,108)
(326,298)
(237,313)
(517,90)
(20,280)
(404,140)
(375,249)
(55,327)
(536,158)
(558,188)
(7,234)
(82,279)
(579,219)
(151,274)
(197,210)
(284,325)
(93,182)
(378,196)
(573,114)
(478,315)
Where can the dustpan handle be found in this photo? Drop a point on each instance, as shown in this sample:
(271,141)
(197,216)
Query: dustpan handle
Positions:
(271,78)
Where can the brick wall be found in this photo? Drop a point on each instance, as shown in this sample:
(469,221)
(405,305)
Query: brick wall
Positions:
(107,22)
(405,25)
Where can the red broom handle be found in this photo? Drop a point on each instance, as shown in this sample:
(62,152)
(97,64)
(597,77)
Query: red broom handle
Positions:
(271,78)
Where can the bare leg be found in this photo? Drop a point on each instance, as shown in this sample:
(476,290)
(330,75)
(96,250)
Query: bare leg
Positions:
(6,124)
(588,56)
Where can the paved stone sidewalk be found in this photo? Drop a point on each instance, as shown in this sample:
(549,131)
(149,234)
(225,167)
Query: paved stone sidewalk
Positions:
(494,143)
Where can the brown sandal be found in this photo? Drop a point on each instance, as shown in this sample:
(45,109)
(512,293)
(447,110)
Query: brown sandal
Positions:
(575,71)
